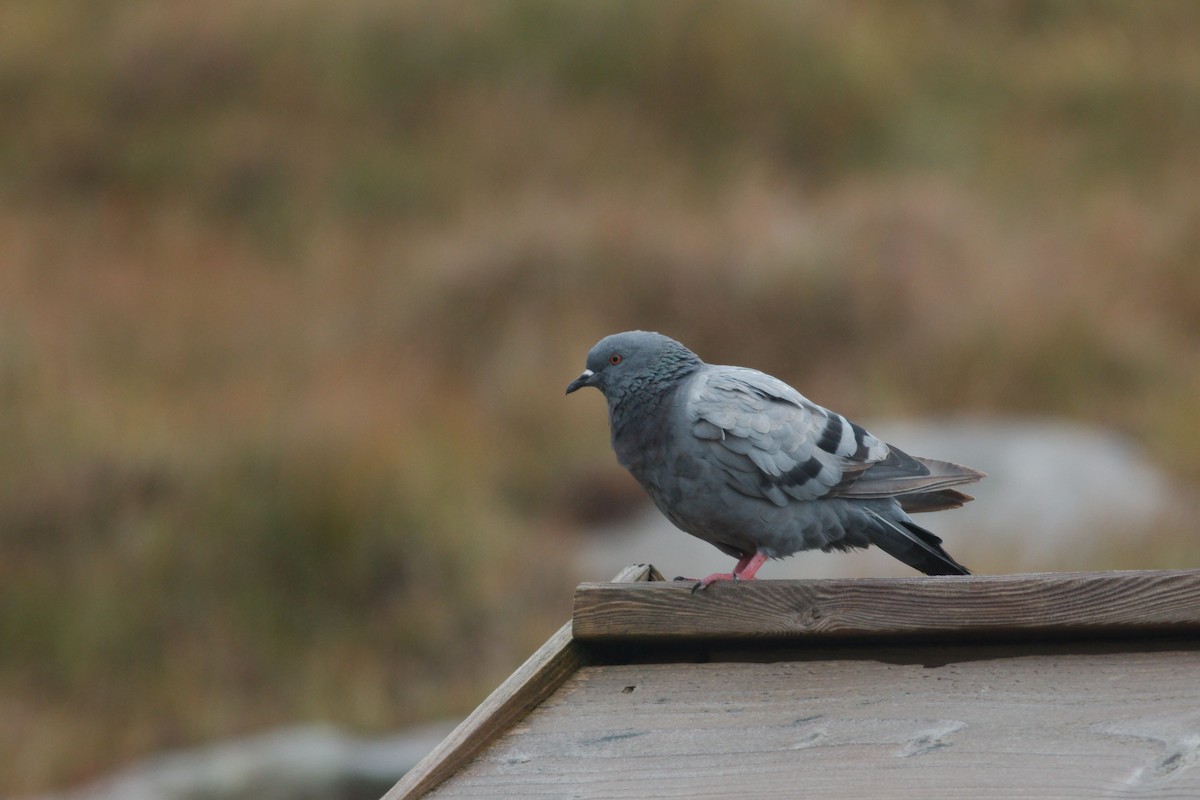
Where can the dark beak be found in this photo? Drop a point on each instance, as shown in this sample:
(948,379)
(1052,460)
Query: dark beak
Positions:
(584,379)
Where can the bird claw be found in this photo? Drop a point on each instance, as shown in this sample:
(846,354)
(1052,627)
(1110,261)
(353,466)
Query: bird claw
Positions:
(696,585)
(744,571)
(704,583)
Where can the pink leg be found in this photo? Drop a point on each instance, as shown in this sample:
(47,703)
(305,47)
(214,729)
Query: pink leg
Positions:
(744,570)
(750,566)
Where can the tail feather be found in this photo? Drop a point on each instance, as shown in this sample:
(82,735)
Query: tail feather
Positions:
(901,474)
(939,500)
(915,546)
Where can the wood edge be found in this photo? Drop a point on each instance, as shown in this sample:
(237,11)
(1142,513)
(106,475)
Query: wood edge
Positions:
(535,680)
(637,573)
(592,600)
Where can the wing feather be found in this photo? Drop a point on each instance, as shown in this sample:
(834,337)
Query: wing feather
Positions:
(771,441)
(774,443)
(901,474)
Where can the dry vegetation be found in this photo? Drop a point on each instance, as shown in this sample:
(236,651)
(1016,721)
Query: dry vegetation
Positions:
(289,292)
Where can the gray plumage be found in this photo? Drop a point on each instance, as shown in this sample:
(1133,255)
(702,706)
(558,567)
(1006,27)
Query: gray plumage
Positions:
(745,462)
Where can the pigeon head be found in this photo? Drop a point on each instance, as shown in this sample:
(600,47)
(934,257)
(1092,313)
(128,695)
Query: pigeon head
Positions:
(633,358)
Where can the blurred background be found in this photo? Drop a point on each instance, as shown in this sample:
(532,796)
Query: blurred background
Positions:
(290,291)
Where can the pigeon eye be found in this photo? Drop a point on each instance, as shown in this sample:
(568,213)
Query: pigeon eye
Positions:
(614,359)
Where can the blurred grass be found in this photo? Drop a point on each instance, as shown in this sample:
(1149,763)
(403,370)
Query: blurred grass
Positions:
(289,292)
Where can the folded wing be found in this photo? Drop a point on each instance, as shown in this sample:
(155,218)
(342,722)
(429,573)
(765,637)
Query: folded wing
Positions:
(772,442)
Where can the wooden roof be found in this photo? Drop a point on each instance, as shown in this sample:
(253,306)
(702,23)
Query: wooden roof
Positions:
(1057,685)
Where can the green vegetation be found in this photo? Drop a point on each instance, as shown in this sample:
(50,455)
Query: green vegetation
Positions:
(289,293)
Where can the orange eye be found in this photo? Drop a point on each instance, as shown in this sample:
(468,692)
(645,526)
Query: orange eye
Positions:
(614,359)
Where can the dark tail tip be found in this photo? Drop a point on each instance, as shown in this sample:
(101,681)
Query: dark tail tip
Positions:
(932,558)
(916,547)
(941,564)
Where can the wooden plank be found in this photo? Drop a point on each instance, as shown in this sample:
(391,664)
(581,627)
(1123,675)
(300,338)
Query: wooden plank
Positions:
(986,722)
(1152,602)
(533,682)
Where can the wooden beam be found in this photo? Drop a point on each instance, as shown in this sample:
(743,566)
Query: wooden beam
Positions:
(533,682)
(1152,602)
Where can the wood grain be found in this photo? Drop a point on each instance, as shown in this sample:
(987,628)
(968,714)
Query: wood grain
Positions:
(533,682)
(1085,725)
(1152,602)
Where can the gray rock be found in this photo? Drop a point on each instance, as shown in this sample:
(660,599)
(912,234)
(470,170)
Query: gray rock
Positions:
(304,763)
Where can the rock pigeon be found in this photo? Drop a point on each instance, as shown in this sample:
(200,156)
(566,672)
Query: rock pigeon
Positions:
(745,462)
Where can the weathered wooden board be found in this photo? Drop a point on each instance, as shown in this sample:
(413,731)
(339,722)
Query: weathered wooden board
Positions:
(535,680)
(1084,725)
(1057,604)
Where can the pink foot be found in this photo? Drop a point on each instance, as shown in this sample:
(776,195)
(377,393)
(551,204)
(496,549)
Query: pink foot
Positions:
(743,571)
(704,583)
